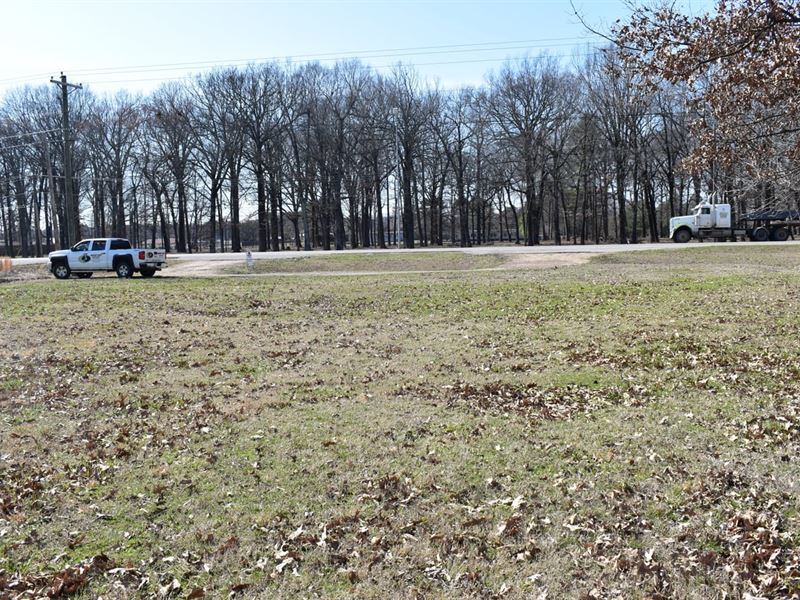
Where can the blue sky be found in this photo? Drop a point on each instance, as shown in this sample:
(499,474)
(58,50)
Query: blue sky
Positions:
(132,41)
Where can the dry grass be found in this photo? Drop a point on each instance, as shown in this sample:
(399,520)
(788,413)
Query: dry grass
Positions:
(627,428)
(24,273)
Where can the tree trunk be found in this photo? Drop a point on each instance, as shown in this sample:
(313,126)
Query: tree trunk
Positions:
(261,194)
(212,213)
(408,201)
(8,223)
(274,202)
(181,223)
(622,235)
(22,212)
(339,237)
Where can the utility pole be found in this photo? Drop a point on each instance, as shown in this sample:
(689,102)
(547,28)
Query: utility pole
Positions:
(71,210)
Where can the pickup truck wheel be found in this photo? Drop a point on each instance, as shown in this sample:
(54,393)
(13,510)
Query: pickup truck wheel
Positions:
(61,271)
(780,234)
(83,275)
(682,236)
(760,234)
(124,269)
(147,272)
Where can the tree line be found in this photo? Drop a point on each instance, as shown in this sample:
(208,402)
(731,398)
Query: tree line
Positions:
(278,156)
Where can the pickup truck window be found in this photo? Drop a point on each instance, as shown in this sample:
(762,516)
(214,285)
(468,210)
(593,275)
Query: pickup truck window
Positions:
(120,245)
(98,245)
(81,247)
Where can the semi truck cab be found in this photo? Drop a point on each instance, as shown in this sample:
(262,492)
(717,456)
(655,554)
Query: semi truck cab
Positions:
(705,216)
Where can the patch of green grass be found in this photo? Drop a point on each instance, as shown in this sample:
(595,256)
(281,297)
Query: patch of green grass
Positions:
(10,384)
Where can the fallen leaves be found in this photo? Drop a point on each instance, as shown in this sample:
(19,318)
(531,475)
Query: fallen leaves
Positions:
(62,583)
(540,403)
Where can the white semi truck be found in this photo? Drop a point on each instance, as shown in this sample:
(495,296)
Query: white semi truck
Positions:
(716,221)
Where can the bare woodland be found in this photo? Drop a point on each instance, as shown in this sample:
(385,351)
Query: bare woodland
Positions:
(283,156)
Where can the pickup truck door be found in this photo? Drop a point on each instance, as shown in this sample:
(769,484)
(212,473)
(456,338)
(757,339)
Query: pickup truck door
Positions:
(78,257)
(98,255)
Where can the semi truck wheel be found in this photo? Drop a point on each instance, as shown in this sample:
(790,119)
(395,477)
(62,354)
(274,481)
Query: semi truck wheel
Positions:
(760,234)
(780,234)
(682,236)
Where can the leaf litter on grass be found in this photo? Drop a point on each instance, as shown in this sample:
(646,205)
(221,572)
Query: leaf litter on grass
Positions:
(604,489)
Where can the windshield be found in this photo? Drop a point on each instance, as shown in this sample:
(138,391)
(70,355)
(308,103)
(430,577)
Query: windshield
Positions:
(81,246)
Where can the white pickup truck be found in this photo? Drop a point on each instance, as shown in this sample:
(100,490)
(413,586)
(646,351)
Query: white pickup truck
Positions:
(106,254)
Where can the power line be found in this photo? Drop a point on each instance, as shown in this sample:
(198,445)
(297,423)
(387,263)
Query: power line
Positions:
(410,50)
(8,137)
(301,59)
(380,53)
(371,67)
(25,145)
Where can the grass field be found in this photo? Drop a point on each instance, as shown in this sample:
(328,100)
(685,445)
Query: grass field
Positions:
(375,263)
(625,428)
